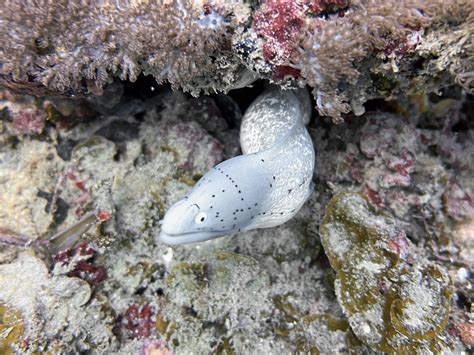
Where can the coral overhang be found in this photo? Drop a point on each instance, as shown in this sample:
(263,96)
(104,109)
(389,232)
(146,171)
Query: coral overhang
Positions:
(334,46)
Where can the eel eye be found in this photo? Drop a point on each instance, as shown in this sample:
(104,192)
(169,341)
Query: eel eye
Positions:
(200,217)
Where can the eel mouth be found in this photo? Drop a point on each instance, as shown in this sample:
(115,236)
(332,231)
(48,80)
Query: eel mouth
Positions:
(191,237)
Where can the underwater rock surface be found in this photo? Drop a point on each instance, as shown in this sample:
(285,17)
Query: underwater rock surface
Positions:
(394,302)
(348,52)
(405,218)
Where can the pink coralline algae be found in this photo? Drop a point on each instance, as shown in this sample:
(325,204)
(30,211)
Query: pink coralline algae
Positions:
(196,146)
(280,22)
(463,331)
(411,172)
(138,321)
(80,259)
(374,198)
(321,6)
(457,202)
(466,333)
(154,347)
(282,72)
(103,216)
(83,192)
(28,120)
(400,245)
(398,160)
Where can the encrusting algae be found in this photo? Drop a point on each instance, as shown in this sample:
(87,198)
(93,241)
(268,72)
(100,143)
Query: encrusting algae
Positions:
(11,329)
(394,302)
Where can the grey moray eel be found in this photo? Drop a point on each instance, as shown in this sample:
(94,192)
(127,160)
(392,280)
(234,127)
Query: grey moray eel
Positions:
(264,187)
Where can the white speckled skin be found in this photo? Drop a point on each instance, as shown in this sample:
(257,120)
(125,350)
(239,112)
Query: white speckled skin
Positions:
(264,187)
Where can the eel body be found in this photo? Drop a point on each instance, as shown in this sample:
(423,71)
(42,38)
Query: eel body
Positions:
(264,187)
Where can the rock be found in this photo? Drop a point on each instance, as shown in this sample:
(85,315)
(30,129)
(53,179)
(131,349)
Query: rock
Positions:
(394,301)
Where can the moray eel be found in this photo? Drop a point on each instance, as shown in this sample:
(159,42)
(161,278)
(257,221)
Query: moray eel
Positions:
(264,187)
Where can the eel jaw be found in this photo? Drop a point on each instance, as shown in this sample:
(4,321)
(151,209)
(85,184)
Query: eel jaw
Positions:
(192,237)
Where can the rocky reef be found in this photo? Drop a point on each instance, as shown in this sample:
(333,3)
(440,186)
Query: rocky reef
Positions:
(394,302)
(102,130)
(83,197)
(348,51)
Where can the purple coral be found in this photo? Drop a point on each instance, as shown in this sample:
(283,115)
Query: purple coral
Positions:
(280,22)
(138,321)
(28,120)
(80,262)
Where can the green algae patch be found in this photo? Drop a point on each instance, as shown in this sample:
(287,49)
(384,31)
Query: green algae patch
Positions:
(207,286)
(289,312)
(224,347)
(191,274)
(165,327)
(11,329)
(313,333)
(95,146)
(394,303)
(215,293)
